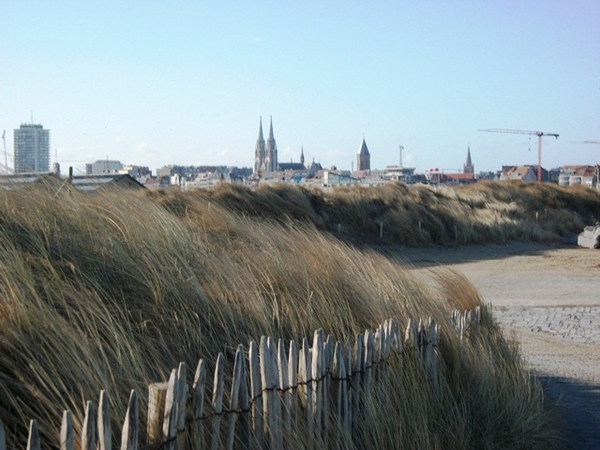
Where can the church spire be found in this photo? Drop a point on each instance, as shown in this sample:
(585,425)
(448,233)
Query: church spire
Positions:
(259,152)
(469,168)
(271,163)
(302,155)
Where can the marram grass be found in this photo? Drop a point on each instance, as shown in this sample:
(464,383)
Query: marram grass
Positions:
(111,290)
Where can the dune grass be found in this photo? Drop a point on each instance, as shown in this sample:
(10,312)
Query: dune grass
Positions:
(111,290)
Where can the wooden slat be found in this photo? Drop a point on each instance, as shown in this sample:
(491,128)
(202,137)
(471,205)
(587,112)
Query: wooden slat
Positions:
(170,418)
(271,402)
(257,399)
(305,387)
(239,377)
(33,441)
(157,395)
(182,391)
(131,425)
(2,437)
(293,380)
(339,394)
(317,374)
(217,403)
(104,428)
(67,432)
(198,389)
(284,385)
(88,432)
(244,405)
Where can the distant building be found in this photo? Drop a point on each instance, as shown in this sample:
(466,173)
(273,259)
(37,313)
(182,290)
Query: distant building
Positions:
(103,167)
(265,153)
(523,173)
(282,167)
(363,159)
(469,167)
(31,149)
(578,175)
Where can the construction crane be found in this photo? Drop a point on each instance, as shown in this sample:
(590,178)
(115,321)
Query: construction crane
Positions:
(539,134)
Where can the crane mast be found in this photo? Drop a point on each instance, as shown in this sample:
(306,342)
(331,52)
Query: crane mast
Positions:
(539,134)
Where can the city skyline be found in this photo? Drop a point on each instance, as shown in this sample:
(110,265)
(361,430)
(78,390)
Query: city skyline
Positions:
(182,83)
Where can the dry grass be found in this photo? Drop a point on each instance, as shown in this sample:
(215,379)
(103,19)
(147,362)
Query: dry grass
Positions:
(111,290)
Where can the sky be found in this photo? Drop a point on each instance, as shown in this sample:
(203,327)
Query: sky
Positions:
(153,83)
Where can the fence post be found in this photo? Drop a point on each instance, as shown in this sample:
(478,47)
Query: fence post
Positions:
(104,428)
(198,389)
(293,380)
(157,394)
(33,441)
(217,402)
(67,435)
(284,385)
(170,416)
(239,377)
(271,404)
(88,432)
(129,436)
(257,399)
(181,402)
(317,376)
(305,377)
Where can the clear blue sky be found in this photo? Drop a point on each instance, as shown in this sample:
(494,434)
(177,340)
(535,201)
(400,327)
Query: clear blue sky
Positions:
(186,82)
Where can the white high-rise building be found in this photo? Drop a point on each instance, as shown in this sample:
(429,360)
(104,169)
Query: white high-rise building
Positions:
(31,149)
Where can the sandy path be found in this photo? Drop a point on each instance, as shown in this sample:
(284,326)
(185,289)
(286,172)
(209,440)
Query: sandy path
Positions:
(548,298)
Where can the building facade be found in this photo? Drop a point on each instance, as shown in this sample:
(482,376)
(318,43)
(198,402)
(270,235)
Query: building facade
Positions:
(31,149)
(265,153)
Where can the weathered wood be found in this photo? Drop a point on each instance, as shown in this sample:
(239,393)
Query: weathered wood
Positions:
(357,383)
(3,437)
(182,392)
(104,427)
(157,395)
(244,405)
(305,387)
(239,377)
(293,358)
(271,403)
(131,425)
(88,432)
(198,389)
(33,441)
(339,391)
(284,385)
(217,403)
(67,432)
(368,364)
(317,373)
(257,399)
(170,417)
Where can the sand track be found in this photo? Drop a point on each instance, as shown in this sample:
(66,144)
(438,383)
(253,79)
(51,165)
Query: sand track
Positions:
(547,297)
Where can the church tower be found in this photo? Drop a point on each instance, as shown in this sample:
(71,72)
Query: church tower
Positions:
(259,152)
(302,155)
(469,167)
(363,159)
(271,163)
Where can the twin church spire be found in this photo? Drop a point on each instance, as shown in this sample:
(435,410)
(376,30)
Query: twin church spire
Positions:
(265,154)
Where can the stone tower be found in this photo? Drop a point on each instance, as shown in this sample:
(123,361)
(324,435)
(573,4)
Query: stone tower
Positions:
(259,152)
(363,159)
(271,151)
(469,167)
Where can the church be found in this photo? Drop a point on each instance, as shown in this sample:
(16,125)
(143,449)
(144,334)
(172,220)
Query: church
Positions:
(265,155)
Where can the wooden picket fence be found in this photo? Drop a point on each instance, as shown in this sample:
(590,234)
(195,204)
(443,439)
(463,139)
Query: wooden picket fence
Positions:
(275,395)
